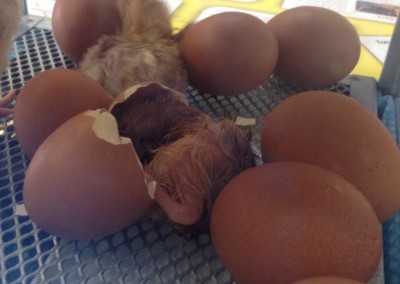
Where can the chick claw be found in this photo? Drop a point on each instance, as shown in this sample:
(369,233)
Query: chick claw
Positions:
(4,101)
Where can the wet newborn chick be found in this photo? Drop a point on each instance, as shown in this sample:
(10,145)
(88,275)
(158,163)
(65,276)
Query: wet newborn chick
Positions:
(144,50)
(9,22)
(188,154)
(154,116)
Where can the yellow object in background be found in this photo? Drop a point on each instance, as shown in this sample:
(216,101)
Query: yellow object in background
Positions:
(375,30)
(373,20)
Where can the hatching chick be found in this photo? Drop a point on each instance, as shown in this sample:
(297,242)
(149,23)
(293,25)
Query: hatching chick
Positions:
(192,171)
(9,22)
(144,50)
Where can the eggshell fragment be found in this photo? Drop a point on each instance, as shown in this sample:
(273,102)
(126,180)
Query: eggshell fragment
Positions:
(286,221)
(337,132)
(317,46)
(228,53)
(85,181)
(51,98)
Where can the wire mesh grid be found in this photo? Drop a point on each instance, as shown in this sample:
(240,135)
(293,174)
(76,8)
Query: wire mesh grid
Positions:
(142,253)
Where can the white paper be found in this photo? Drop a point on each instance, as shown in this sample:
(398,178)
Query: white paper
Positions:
(42,8)
(374,10)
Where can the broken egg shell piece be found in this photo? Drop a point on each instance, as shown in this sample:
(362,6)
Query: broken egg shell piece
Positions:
(132,90)
(105,127)
(85,181)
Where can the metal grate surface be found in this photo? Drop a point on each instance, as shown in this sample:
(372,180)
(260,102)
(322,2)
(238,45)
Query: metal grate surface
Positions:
(142,253)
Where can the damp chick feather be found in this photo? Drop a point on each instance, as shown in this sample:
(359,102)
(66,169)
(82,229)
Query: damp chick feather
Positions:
(144,50)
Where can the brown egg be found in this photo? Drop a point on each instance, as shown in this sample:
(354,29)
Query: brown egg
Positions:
(85,181)
(51,98)
(286,221)
(78,24)
(228,53)
(317,46)
(337,132)
(328,280)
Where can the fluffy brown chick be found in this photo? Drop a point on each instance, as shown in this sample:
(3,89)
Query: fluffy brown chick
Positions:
(194,169)
(144,50)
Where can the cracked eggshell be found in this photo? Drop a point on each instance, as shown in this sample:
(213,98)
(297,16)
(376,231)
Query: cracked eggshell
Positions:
(85,181)
(51,98)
